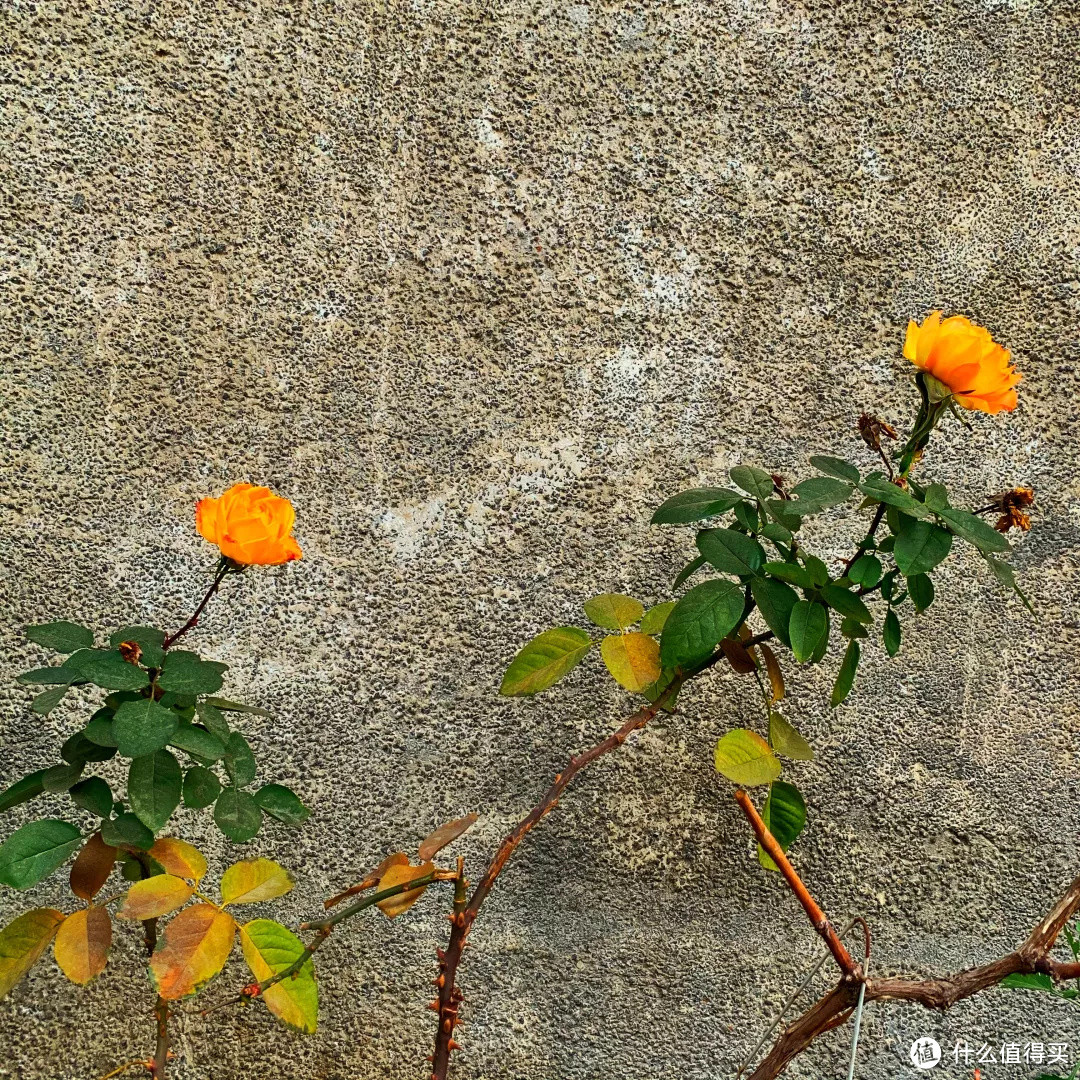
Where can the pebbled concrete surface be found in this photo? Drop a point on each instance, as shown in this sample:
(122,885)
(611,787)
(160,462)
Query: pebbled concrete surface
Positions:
(477,285)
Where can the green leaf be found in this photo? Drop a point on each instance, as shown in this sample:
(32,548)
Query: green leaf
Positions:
(198,741)
(849,628)
(201,787)
(235,706)
(847,603)
(61,675)
(808,623)
(878,489)
(29,787)
(99,729)
(974,530)
(921,591)
(239,760)
(93,794)
(936,497)
(270,948)
(775,601)
(78,749)
(61,777)
(237,815)
(819,572)
(755,481)
(1034,981)
(695,505)
(186,673)
(33,852)
(920,546)
(834,466)
(62,637)
(784,815)
(107,669)
(214,721)
(820,492)
(143,726)
(44,703)
(689,570)
(846,678)
(154,784)
(788,513)
(654,619)
(545,660)
(746,514)
(614,611)
(731,552)
(775,532)
(147,638)
(127,829)
(705,615)
(280,802)
(787,741)
(823,644)
(790,572)
(891,633)
(1005,576)
(744,757)
(865,571)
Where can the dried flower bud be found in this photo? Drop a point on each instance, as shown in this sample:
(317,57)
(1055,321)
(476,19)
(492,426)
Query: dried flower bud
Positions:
(1013,518)
(871,428)
(130,651)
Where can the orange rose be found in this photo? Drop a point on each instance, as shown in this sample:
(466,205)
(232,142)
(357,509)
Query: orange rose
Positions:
(251,525)
(966,359)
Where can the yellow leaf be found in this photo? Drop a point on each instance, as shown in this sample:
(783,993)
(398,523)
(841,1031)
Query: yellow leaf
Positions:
(92,867)
(614,611)
(179,858)
(82,944)
(155,896)
(197,944)
(633,660)
(445,834)
(776,676)
(253,880)
(744,757)
(270,948)
(398,875)
(23,941)
(787,740)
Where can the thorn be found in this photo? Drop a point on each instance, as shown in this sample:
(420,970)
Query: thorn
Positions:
(440,982)
(448,1025)
(441,954)
(453,1045)
(434,1006)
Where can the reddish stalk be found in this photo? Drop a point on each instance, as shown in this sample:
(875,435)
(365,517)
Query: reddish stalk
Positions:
(224,567)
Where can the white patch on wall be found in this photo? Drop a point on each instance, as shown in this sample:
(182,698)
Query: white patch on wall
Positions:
(548,469)
(486,135)
(408,527)
(579,15)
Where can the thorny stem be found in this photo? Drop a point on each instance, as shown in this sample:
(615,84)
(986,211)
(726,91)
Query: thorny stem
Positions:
(161,1006)
(225,566)
(836,1006)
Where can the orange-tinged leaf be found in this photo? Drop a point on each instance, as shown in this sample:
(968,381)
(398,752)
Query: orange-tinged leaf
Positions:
(270,948)
(82,944)
(179,858)
(398,858)
(155,896)
(633,660)
(776,676)
(23,941)
(398,875)
(196,945)
(738,656)
(92,867)
(445,834)
(252,880)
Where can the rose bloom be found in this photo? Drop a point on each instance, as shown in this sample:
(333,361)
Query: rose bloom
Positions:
(251,525)
(963,356)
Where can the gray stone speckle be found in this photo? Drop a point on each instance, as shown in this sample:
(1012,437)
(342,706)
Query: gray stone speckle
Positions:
(476,286)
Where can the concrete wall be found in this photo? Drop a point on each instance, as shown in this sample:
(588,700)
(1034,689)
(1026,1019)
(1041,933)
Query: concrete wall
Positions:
(476,286)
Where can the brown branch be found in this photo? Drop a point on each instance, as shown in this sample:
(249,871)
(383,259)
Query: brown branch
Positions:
(450,996)
(813,912)
(836,1006)
(225,566)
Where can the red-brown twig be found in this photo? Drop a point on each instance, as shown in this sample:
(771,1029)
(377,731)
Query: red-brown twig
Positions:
(224,567)
(449,1000)
(836,1006)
